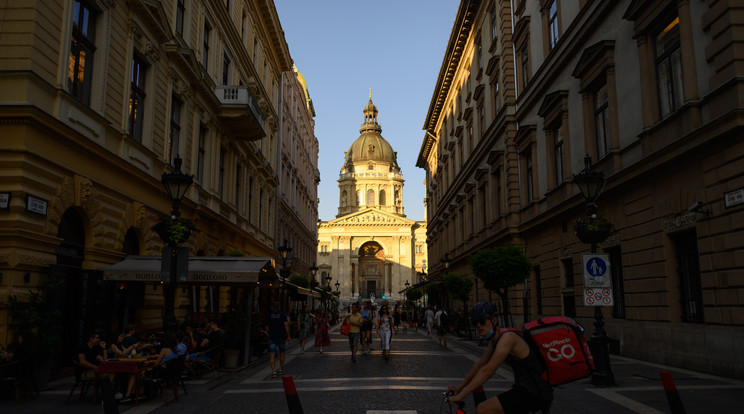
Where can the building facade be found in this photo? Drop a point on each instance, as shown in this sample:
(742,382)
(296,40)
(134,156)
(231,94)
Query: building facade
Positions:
(100,98)
(371,249)
(649,92)
(297,193)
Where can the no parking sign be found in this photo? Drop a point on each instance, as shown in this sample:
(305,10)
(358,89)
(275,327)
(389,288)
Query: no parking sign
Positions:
(597,280)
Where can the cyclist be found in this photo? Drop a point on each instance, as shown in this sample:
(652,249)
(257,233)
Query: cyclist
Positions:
(530,391)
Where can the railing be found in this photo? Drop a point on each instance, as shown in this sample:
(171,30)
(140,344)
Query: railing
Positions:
(239,95)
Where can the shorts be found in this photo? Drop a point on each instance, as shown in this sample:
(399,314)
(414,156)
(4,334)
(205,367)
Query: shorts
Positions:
(199,356)
(278,344)
(354,339)
(366,326)
(441,331)
(518,401)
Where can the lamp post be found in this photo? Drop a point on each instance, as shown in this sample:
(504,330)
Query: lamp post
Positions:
(590,184)
(313,272)
(284,251)
(407,284)
(446,261)
(337,285)
(176,183)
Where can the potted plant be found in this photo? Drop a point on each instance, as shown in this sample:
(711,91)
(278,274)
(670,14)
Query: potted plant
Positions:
(39,314)
(593,229)
(174,230)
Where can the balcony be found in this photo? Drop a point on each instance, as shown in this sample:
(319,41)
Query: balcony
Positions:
(239,111)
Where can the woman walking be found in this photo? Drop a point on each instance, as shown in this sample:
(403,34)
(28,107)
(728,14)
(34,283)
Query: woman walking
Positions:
(385,330)
(304,321)
(321,331)
(367,316)
(355,320)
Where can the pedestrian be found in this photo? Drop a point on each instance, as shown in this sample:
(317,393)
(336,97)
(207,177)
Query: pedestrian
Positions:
(404,319)
(304,320)
(429,320)
(385,330)
(355,322)
(367,315)
(530,391)
(396,318)
(442,320)
(321,331)
(278,328)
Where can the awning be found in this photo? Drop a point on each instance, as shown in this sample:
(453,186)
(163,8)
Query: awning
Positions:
(202,269)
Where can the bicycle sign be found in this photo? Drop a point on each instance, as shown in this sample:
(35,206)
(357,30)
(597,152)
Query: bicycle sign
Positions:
(598,297)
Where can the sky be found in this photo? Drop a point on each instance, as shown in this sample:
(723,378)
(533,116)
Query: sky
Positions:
(345,47)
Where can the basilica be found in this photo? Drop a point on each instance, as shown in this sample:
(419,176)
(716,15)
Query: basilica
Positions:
(371,249)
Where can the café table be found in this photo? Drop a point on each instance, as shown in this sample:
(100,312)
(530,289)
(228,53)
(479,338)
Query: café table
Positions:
(131,366)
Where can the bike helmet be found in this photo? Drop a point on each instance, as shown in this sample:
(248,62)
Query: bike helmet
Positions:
(482,310)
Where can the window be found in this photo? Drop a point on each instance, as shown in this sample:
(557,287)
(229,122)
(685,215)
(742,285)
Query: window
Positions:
(482,121)
(497,179)
(260,209)
(221,173)
(137,98)
(527,156)
(180,12)
(569,302)
(236,196)
(82,49)
(538,289)
(558,155)
(669,68)
(360,199)
(522,46)
(225,69)
(552,24)
(496,98)
(382,198)
(205,46)
(688,271)
(200,155)
(250,199)
(494,26)
(175,129)
(601,120)
(371,167)
(370,197)
(525,65)
(618,287)
(479,55)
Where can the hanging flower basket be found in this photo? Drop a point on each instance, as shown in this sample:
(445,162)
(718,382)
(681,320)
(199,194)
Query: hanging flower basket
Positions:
(174,231)
(592,229)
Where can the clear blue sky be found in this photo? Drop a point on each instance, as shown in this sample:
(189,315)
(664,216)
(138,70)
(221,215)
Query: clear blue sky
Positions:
(345,47)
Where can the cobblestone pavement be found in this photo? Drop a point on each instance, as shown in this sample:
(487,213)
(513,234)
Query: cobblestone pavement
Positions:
(410,382)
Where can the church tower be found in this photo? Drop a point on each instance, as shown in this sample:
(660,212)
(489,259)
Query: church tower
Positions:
(371,249)
(370,176)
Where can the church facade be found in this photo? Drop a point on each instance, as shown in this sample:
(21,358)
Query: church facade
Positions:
(371,249)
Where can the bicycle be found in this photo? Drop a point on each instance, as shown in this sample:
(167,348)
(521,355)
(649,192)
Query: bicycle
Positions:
(479,395)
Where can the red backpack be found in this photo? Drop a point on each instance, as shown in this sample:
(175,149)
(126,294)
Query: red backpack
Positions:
(561,342)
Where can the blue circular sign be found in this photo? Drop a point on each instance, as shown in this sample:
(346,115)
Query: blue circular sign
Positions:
(596,267)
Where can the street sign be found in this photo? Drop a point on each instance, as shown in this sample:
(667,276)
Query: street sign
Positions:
(597,280)
(596,270)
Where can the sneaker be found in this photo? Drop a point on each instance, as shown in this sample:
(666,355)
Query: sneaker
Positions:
(125,400)
(279,372)
(274,374)
(118,396)
(321,350)
(302,351)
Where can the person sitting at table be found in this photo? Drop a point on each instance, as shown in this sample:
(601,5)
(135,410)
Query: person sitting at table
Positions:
(117,348)
(193,336)
(130,339)
(90,354)
(214,338)
(153,367)
(181,348)
(20,348)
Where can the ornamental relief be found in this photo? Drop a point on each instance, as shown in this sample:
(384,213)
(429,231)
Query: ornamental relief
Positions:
(369,218)
(679,221)
(77,191)
(133,215)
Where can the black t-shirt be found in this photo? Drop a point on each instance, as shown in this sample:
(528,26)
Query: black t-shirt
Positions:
(215,338)
(275,321)
(129,341)
(90,353)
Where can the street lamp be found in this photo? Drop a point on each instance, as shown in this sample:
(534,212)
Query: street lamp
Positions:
(328,280)
(446,262)
(407,284)
(590,184)
(337,285)
(176,183)
(313,272)
(284,251)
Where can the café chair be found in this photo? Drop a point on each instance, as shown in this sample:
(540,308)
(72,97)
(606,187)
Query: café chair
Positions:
(84,383)
(170,377)
(213,365)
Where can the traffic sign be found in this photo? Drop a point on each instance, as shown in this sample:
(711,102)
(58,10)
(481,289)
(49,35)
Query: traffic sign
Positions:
(596,270)
(598,297)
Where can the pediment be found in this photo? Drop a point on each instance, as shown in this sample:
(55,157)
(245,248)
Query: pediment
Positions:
(372,217)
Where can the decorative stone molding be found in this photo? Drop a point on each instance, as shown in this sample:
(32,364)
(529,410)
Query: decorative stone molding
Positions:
(679,221)
(76,191)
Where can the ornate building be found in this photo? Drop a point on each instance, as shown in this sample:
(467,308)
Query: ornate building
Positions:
(99,98)
(651,91)
(371,248)
(297,193)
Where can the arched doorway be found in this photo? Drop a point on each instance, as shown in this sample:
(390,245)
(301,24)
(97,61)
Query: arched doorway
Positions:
(371,269)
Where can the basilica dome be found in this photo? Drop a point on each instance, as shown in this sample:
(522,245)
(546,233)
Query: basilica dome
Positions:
(371,146)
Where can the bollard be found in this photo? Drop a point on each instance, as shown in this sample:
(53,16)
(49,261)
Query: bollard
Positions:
(675,402)
(479,395)
(293,400)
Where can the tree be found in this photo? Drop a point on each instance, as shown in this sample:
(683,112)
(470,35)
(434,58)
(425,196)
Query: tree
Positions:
(300,280)
(434,292)
(458,287)
(414,294)
(501,268)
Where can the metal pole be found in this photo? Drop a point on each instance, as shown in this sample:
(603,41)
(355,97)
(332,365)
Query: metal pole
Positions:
(599,344)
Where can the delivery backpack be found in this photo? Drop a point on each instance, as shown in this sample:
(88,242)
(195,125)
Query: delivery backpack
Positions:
(561,343)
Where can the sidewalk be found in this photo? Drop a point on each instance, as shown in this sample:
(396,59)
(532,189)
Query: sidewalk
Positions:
(410,379)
